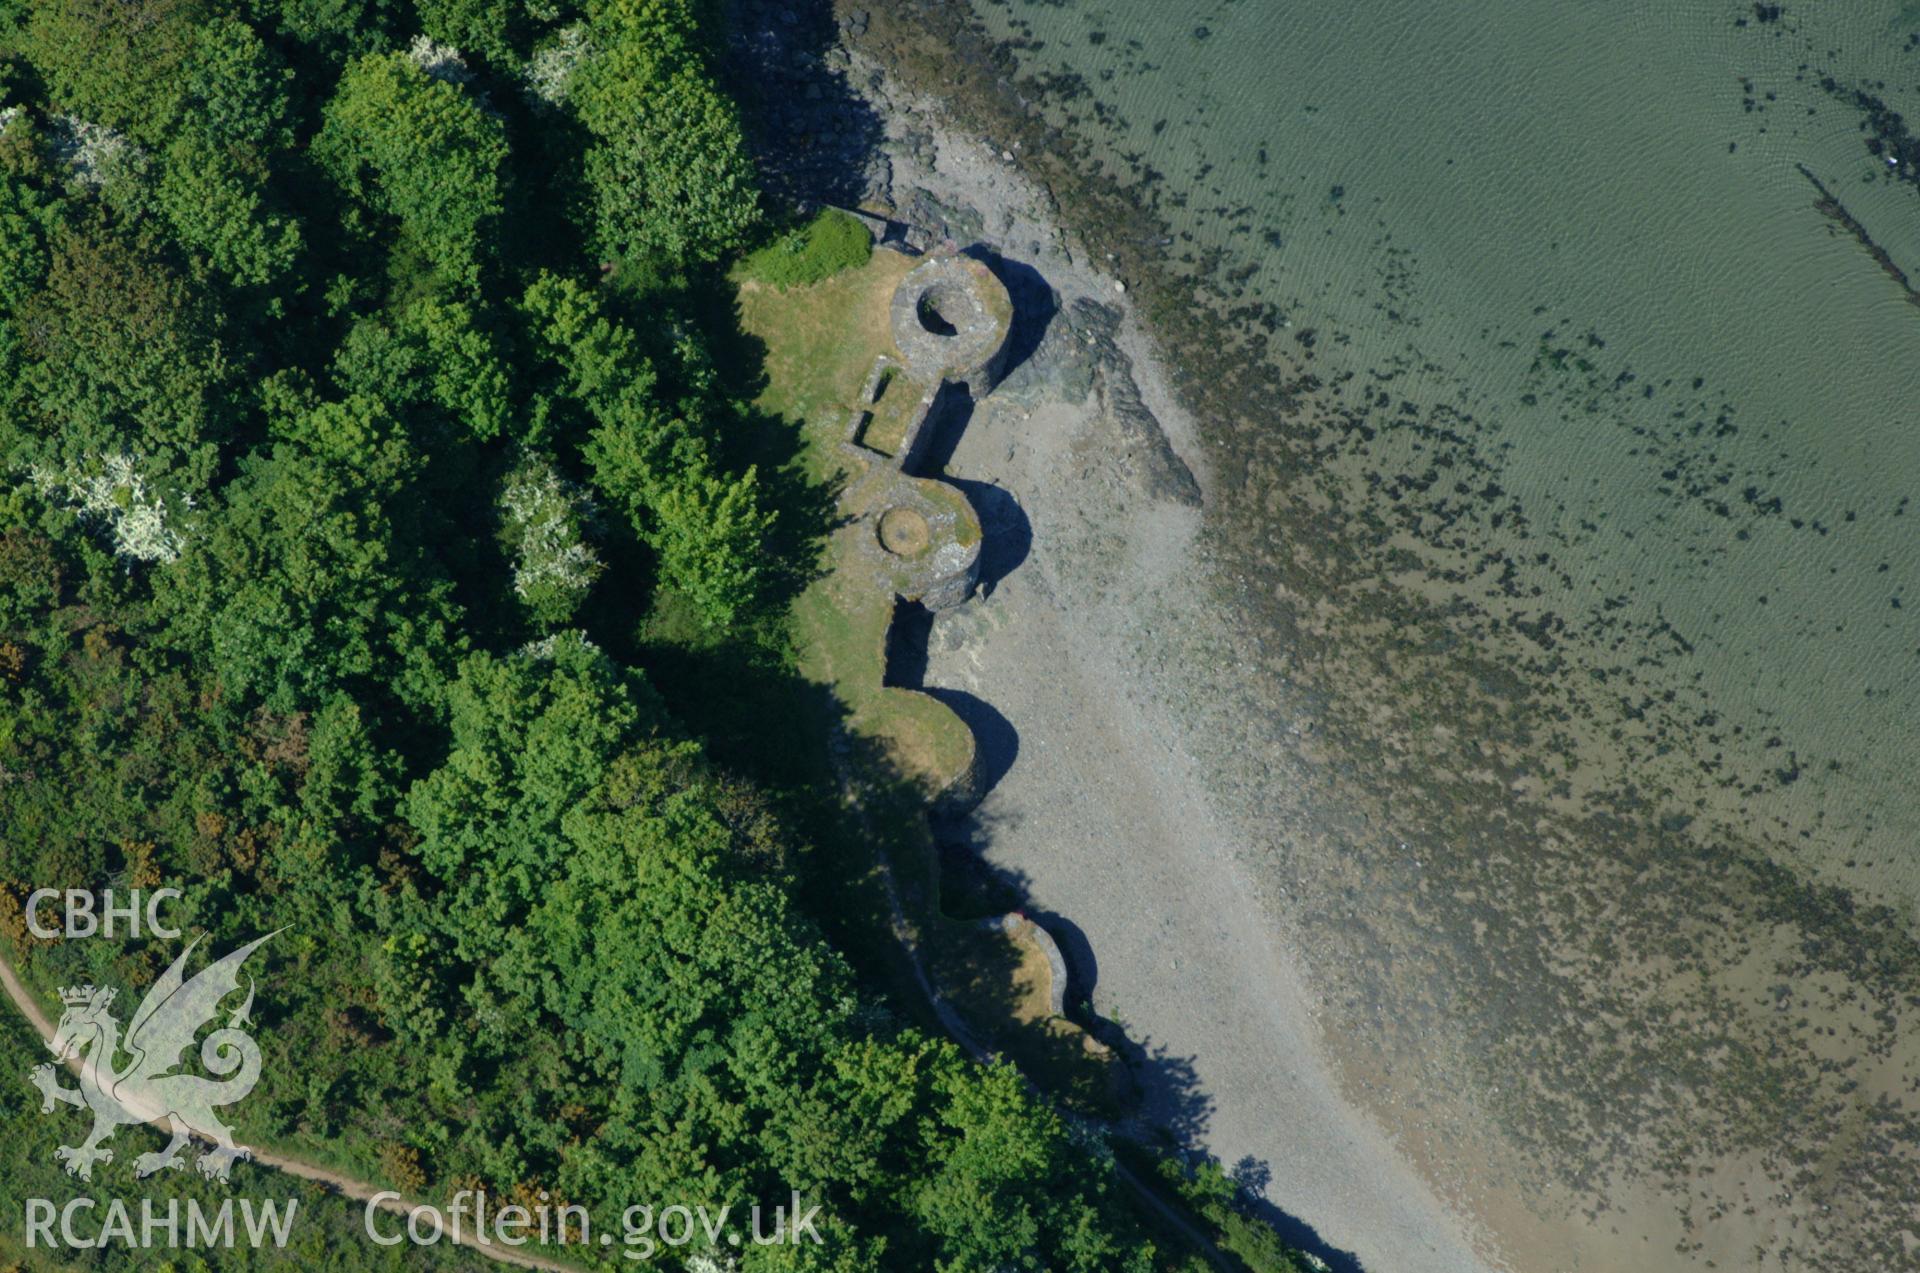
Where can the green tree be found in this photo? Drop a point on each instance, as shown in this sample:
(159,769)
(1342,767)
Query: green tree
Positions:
(115,62)
(667,166)
(710,533)
(708,530)
(464,366)
(439,355)
(532,734)
(237,88)
(29,212)
(420,150)
(216,201)
(123,354)
(335,29)
(303,588)
(1006,1187)
(479,26)
(599,362)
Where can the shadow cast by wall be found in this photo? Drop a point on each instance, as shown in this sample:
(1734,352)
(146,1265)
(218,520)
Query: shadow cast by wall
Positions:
(1083,968)
(1034,305)
(996,742)
(947,421)
(1296,1232)
(907,638)
(1007,535)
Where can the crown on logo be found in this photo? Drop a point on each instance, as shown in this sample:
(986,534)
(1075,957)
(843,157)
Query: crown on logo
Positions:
(76,996)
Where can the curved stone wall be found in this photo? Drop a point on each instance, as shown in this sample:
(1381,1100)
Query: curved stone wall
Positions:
(950,318)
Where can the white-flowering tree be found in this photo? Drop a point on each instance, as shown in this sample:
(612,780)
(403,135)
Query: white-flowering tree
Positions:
(92,152)
(112,492)
(544,519)
(440,61)
(550,71)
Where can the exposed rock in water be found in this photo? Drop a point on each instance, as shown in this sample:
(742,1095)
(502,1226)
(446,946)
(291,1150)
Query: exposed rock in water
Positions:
(1143,450)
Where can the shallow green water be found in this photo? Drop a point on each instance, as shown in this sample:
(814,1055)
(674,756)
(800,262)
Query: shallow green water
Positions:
(1612,396)
(1437,191)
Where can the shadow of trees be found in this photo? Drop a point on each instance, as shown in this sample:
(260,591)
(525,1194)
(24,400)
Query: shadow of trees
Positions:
(1294,1231)
(812,136)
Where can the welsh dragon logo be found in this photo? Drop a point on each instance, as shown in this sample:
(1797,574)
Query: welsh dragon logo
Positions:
(151,1086)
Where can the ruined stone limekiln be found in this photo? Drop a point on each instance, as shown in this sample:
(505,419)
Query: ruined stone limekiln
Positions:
(950,318)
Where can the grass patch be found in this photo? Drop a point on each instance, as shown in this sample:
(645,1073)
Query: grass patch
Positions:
(886,428)
(802,357)
(823,247)
(820,344)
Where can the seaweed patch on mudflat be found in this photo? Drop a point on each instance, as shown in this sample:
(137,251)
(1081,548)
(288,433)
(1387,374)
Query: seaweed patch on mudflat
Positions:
(1830,207)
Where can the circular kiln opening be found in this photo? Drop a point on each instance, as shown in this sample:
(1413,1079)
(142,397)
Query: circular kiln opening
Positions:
(904,533)
(941,308)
